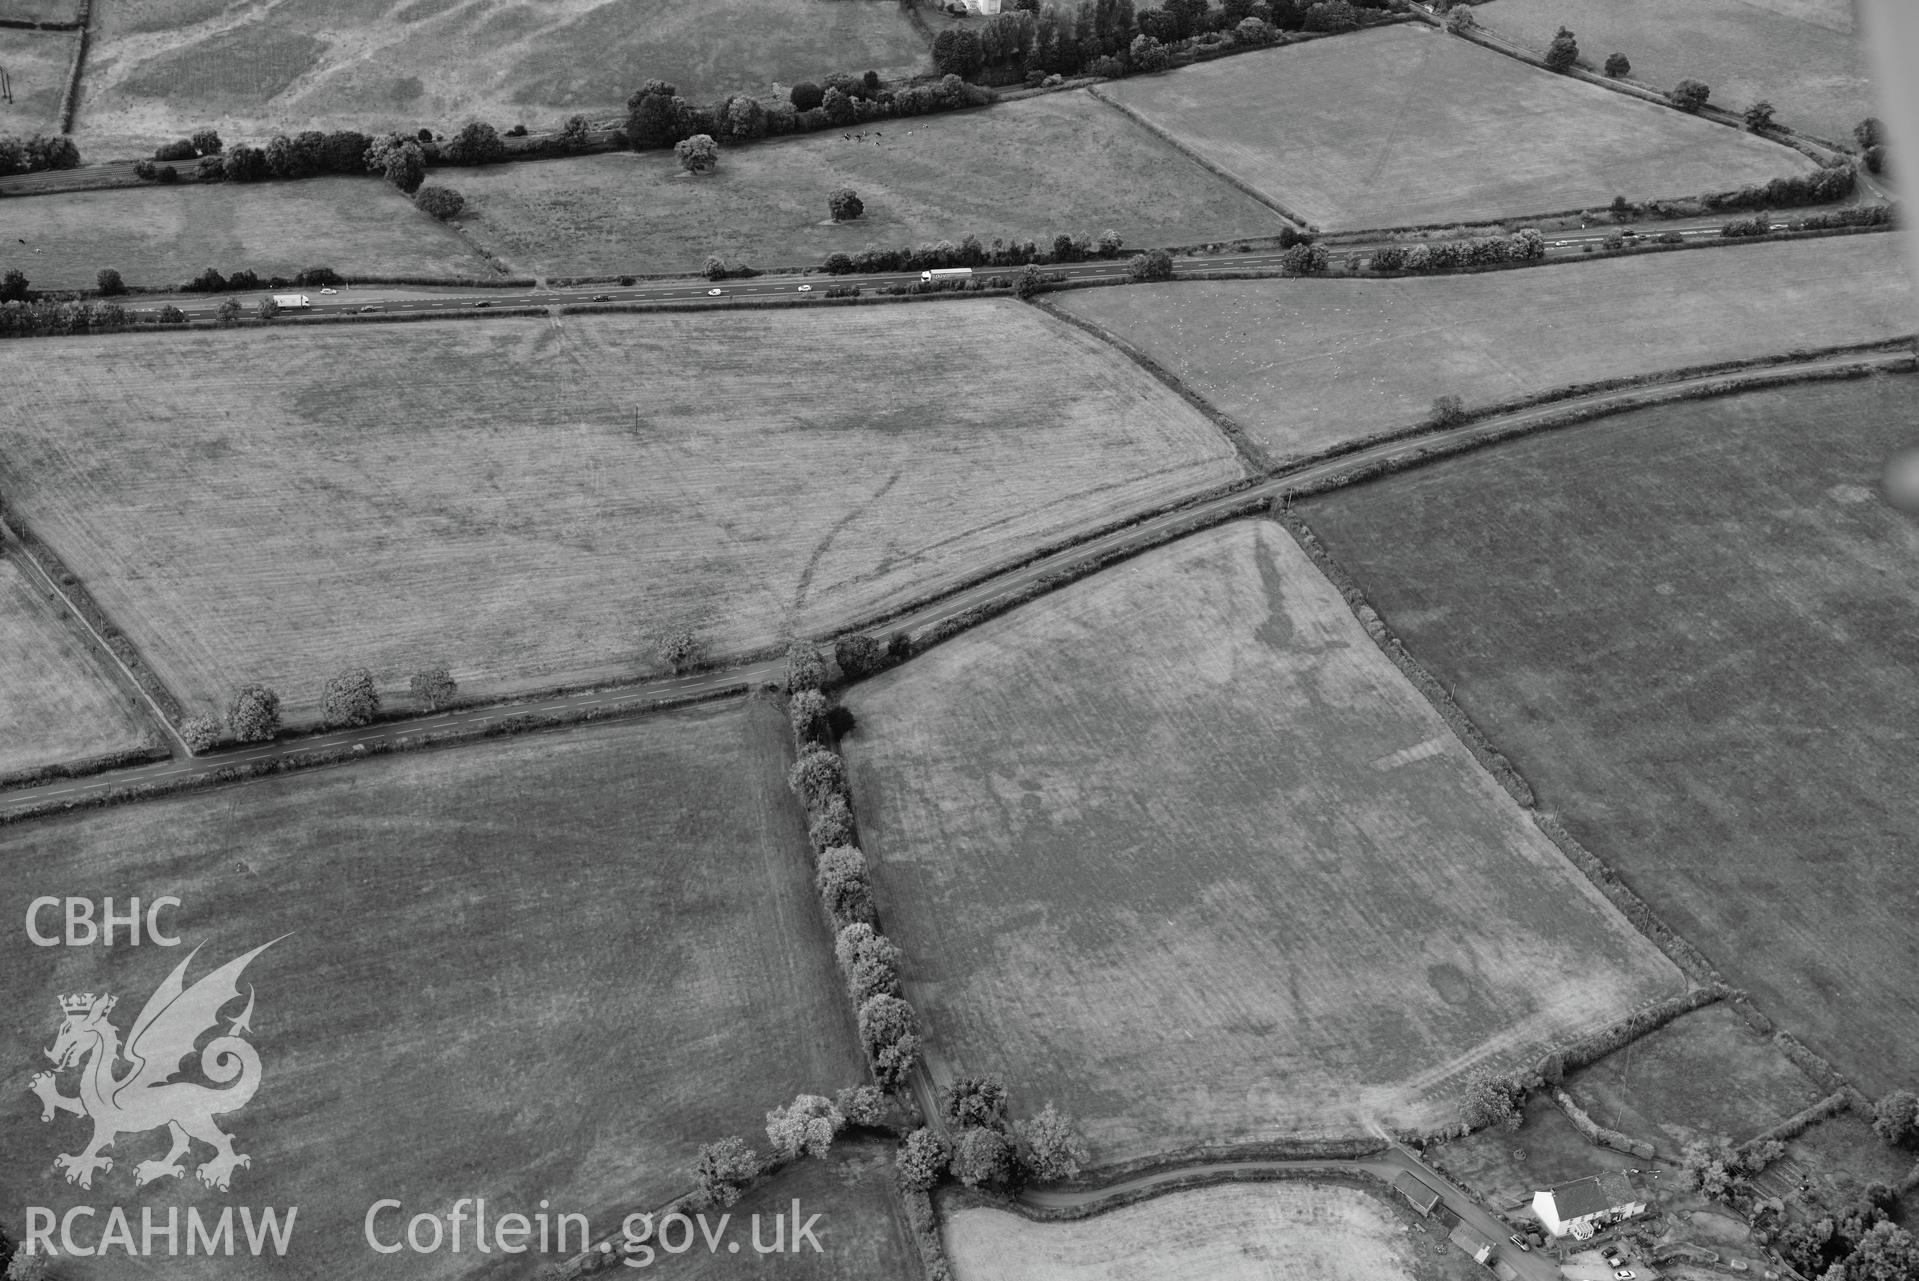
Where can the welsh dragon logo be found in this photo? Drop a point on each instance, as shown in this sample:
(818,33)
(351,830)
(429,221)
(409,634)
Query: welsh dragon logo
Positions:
(145,1097)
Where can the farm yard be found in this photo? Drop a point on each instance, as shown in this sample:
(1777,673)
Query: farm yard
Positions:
(1406,125)
(1179,848)
(165,236)
(1803,56)
(1291,1231)
(36,63)
(58,702)
(309,499)
(544,967)
(1307,364)
(1690,627)
(1033,168)
(160,69)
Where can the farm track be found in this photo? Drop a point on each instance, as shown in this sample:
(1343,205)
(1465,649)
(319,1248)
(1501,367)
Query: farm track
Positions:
(988,591)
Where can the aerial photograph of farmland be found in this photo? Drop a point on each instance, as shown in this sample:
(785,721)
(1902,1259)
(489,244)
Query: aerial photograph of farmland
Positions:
(959,640)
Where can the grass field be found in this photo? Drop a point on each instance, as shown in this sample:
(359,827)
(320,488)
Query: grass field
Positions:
(36,63)
(165,236)
(534,503)
(1706,1073)
(1179,848)
(158,69)
(1032,169)
(1803,56)
(547,967)
(57,701)
(1690,627)
(1307,364)
(861,1230)
(1505,1167)
(1406,125)
(1235,1232)
(40,10)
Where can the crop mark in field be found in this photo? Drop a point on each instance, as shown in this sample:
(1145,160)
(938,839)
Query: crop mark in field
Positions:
(806,575)
(1407,755)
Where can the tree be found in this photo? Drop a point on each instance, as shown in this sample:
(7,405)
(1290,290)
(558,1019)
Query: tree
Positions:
(1148,54)
(1460,20)
(254,714)
(1876,159)
(109,282)
(816,775)
(1154,264)
(1028,283)
(1870,132)
(805,666)
(28,1267)
(845,204)
(975,1101)
(833,824)
(726,1168)
(806,95)
(698,154)
(744,117)
(574,135)
(1491,1098)
(477,143)
(1884,1252)
(443,203)
(206,142)
(956,52)
(432,688)
(229,311)
(13,286)
(871,963)
(1447,411)
(805,1127)
(1563,52)
(885,1020)
(1252,31)
(1688,95)
(982,1158)
(399,160)
(245,164)
(714,268)
(1047,1147)
(838,106)
(922,1160)
(1617,65)
(351,698)
(199,732)
(1331,15)
(807,712)
(267,309)
(680,650)
(653,116)
(1759,116)
(172,315)
(1895,1118)
(863,1105)
(843,885)
(1304,260)
(859,654)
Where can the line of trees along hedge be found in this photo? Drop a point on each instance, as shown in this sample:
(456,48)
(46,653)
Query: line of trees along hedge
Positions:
(972,252)
(37,153)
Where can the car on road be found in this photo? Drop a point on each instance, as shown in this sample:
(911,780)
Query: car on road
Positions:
(601,298)
(368,307)
(1624,1274)
(716,292)
(329,290)
(806,289)
(1519,1241)
(484,302)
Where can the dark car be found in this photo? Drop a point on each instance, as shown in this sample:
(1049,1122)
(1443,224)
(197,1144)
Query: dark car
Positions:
(484,302)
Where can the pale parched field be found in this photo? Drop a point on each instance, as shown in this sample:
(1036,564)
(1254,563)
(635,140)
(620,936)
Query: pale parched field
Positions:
(1407,125)
(1235,1232)
(57,701)
(1803,56)
(159,68)
(37,63)
(1307,364)
(545,967)
(535,503)
(1024,170)
(165,236)
(1180,849)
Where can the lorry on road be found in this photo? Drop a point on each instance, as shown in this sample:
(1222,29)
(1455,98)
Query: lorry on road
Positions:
(945,273)
(285,301)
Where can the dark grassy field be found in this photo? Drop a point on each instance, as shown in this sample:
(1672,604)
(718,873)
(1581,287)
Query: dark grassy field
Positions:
(1692,627)
(58,699)
(1706,1073)
(549,967)
(1179,848)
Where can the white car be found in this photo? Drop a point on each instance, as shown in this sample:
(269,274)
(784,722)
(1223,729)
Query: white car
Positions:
(806,289)
(1624,1274)
(329,291)
(716,292)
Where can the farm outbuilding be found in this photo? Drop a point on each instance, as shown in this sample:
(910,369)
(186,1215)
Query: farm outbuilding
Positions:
(1421,1195)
